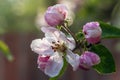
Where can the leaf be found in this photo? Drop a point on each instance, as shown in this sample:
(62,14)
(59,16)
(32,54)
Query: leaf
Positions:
(107,64)
(5,50)
(61,72)
(79,35)
(109,31)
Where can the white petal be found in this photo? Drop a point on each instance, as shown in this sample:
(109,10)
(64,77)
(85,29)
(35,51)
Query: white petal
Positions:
(50,33)
(48,29)
(53,35)
(50,37)
(42,47)
(73,59)
(70,43)
(55,65)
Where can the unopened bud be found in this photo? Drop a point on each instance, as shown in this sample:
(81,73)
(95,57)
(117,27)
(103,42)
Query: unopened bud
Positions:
(88,59)
(92,32)
(55,15)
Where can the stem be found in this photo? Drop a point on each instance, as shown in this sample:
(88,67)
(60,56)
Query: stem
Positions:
(72,34)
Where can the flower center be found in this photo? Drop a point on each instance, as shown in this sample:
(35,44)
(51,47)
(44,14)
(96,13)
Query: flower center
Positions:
(57,46)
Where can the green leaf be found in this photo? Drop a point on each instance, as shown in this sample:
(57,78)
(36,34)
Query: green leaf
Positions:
(107,64)
(61,72)
(109,31)
(79,35)
(5,50)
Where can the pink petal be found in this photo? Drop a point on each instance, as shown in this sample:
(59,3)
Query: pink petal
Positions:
(42,62)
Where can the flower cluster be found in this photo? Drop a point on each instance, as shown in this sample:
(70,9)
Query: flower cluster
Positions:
(56,46)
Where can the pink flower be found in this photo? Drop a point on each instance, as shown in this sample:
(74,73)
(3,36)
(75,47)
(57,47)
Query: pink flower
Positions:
(55,44)
(92,32)
(55,15)
(88,59)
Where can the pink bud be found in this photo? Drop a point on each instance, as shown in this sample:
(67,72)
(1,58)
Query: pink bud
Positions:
(42,62)
(55,15)
(92,32)
(88,59)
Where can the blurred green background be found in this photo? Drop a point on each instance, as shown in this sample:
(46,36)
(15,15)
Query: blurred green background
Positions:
(20,15)
(19,25)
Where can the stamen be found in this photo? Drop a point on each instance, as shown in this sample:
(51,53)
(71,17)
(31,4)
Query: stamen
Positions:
(55,50)
(52,47)
(58,47)
(53,42)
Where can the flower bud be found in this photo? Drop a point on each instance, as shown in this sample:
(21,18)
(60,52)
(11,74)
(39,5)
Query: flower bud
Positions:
(92,32)
(88,59)
(55,15)
(42,62)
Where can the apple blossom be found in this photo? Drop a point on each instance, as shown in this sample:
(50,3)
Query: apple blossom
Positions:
(92,32)
(88,59)
(56,45)
(56,14)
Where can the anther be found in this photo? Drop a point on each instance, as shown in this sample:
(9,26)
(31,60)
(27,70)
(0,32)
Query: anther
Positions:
(53,42)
